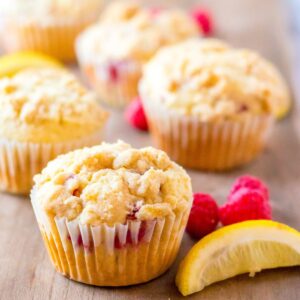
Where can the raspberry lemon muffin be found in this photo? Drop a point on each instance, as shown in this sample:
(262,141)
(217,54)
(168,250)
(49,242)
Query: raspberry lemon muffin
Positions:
(48,26)
(43,113)
(112,215)
(211,106)
(112,52)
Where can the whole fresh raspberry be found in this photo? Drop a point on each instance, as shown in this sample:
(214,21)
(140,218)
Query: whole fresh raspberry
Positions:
(245,204)
(135,115)
(203,19)
(251,183)
(204,216)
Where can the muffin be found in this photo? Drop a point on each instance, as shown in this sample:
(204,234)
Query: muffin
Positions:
(112,52)
(210,106)
(112,215)
(43,113)
(47,26)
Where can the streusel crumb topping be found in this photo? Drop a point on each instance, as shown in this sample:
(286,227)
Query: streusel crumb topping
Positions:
(47,105)
(210,80)
(113,183)
(128,30)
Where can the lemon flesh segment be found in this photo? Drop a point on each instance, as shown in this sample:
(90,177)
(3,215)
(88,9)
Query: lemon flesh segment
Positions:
(246,247)
(12,63)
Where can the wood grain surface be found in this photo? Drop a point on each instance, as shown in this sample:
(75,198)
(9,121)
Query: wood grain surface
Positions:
(25,270)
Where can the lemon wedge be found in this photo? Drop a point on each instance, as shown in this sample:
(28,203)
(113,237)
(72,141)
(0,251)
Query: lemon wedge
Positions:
(246,247)
(12,63)
(282,109)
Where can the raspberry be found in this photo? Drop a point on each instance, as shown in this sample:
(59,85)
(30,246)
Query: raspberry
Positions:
(204,216)
(113,73)
(132,215)
(76,193)
(135,115)
(203,19)
(155,10)
(245,204)
(251,183)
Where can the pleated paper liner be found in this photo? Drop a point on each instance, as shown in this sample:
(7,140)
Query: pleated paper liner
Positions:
(120,255)
(117,92)
(20,161)
(53,38)
(116,82)
(211,146)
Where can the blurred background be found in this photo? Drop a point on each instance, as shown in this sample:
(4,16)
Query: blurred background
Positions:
(271,27)
(247,23)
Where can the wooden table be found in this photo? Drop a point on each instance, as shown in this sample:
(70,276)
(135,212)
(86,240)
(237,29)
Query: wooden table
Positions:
(25,270)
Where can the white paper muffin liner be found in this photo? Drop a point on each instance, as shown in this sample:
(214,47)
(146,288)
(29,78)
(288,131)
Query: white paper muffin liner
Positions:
(55,38)
(116,93)
(105,255)
(211,146)
(20,161)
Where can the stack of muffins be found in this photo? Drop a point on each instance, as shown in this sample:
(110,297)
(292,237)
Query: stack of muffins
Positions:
(110,214)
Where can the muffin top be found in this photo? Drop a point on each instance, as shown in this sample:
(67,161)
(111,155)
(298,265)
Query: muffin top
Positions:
(127,30)
(47,105)
(50,8)
(209,80)
(113,183)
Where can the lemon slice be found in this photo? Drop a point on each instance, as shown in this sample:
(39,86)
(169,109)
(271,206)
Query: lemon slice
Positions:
(12,63)
(246,247)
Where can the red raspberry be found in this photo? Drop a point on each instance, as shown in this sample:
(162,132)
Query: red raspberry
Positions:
(204,216)
(203,19)
(251,183)
(132,215)
(113,73)
(155,10)
(245,204)
(135,115)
